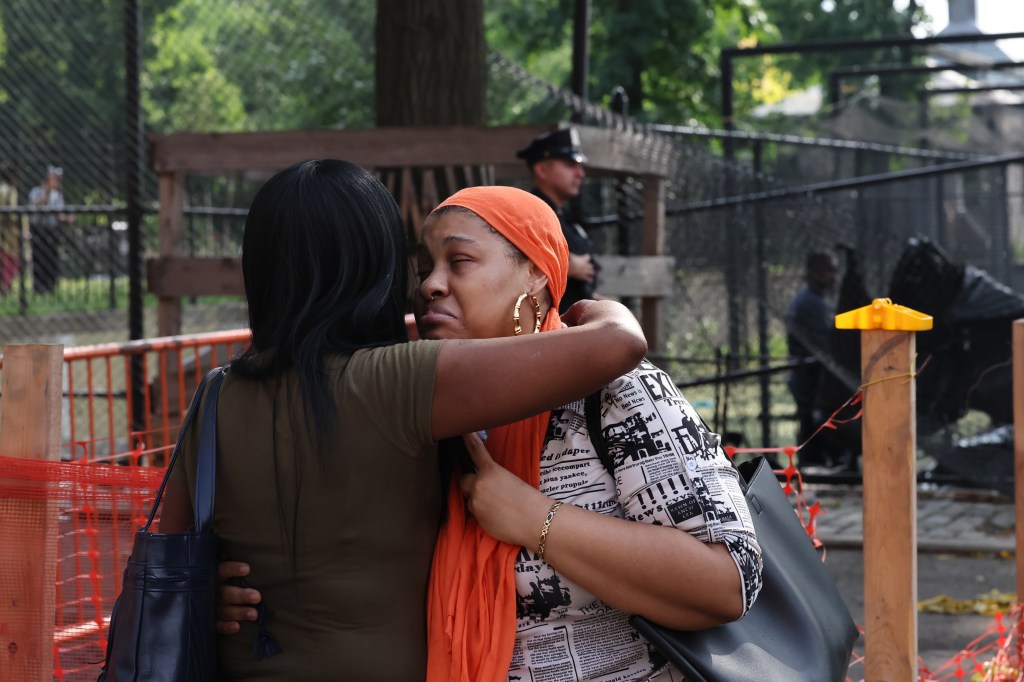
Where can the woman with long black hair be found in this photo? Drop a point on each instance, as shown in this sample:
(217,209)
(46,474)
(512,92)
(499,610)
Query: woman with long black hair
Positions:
(327,472)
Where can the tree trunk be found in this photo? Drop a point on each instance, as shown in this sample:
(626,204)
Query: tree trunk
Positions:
(431,62)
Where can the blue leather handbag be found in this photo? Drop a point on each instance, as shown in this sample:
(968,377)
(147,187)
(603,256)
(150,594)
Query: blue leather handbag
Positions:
(162,628)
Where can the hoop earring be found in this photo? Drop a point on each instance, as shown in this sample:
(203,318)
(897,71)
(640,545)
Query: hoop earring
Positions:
(516,328)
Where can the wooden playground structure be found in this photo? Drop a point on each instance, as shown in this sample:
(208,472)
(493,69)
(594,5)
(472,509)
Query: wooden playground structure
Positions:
(421,167)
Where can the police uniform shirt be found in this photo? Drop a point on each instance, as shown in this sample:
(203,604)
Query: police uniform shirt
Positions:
(579,243)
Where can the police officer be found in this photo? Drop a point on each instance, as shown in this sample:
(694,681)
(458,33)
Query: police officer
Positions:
(556,163)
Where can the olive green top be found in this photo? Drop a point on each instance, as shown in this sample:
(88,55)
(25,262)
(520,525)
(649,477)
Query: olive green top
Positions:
(340,550)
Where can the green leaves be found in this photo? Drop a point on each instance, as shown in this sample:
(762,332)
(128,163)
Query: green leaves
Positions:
(260,65)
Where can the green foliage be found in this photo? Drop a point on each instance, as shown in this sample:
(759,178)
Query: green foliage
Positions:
(664,53)
(810,21)
(61,90)
(3,54)
(261,65)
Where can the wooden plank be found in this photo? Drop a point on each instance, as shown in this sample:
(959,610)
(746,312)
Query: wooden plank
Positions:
(1018,447)
(29,429)
(177,276)
(653,237)
(627,151)
(171,228)
(429,199)
(890,505)
(453,185)
(384,147)
(650,276)
(607,149)
(409,203)
(652,244)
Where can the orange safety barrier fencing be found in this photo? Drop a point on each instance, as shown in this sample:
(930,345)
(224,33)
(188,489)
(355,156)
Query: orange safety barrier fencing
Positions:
(102,412)
(93,510)
(116,442)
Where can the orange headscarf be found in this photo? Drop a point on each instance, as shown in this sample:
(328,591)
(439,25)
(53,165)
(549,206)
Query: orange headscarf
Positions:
(471,604)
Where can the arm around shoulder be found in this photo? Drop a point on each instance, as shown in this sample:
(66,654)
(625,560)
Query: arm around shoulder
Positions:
(483,383)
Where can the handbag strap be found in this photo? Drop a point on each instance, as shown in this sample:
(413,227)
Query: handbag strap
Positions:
(206,462)
(207,459)
(592,413)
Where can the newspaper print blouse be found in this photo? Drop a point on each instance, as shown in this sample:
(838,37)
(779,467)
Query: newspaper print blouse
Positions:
(669,470)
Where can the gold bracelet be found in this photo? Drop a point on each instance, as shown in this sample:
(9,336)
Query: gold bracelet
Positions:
(545,528)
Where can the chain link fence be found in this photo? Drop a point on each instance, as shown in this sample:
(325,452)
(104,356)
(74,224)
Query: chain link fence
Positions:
(743,209)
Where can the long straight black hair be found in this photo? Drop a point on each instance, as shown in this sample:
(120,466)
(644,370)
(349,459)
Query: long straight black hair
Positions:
(325,267)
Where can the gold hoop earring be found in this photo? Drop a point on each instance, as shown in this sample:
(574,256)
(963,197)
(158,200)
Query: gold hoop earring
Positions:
(516,328)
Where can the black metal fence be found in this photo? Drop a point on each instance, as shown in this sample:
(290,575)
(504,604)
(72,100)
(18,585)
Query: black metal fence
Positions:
(744,208)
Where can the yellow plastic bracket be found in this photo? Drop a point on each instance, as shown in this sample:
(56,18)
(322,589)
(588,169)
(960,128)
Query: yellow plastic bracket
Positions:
(884,314)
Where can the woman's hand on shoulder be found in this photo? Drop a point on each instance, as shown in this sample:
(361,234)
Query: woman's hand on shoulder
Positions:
(472,385)
(606,312)
(504,505)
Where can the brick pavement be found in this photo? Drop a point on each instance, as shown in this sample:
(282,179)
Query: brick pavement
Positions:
(948,520)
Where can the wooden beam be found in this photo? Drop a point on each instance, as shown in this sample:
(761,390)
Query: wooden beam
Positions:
(890,505)
(627,152)
(619,151)
(29,429)
(648,276)
(1018,447)
(178,276)
(171,227)
(370,148)
(653,244)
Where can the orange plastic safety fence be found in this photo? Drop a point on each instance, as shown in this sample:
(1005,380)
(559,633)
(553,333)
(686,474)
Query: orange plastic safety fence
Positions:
(85,509)
(86,514)
(104,408)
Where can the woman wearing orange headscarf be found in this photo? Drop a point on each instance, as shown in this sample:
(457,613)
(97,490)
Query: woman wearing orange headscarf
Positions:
(536,568)
(541,557)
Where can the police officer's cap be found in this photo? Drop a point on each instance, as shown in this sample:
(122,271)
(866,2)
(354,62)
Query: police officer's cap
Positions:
(563,143)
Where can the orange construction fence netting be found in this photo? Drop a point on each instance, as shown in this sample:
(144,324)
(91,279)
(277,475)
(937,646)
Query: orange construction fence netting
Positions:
(117,434)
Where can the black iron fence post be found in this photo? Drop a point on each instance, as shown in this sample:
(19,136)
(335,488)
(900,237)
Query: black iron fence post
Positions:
(580,52)
(762,301)
(620,105)
(22,268)
(133,190)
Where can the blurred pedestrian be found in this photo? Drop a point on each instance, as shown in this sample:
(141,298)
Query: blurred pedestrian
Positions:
(809,320)
(12,231)
(45,230)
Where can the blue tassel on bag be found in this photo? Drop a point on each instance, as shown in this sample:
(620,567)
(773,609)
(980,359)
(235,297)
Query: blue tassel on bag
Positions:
(266,645)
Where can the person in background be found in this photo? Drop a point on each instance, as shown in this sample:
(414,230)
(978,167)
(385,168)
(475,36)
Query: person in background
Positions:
(44,229)
(556,160)
(809,321)
(12,231)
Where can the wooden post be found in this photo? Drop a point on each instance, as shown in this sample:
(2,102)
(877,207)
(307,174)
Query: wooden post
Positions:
(890,506)
(887,348)
(29,429)
(172,220)
(1018,447)
(653,245)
